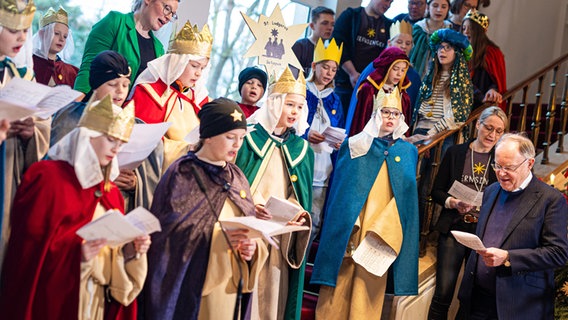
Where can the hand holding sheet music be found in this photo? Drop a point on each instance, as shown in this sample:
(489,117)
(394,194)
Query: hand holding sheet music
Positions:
(118,229)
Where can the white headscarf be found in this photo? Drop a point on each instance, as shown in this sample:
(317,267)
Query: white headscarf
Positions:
(75,148)
(42,42)
(360,143)
(169,67)
(269,114)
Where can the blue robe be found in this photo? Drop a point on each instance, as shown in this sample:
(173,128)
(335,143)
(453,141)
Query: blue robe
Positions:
(349,193)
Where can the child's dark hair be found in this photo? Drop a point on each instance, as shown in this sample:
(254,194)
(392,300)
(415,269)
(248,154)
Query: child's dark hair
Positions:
(316,12)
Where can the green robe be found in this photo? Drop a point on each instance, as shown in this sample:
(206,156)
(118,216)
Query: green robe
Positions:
(299,160)
(117,32)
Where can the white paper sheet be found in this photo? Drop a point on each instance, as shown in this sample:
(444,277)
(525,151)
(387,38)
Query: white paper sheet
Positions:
(374,255)
(32,95)
(143,140)
(259,228)
(282,210)
(118,229)
(462,192)
(469,240)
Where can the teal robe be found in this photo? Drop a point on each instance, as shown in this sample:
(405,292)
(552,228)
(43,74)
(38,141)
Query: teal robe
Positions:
(299,159)
(117,32)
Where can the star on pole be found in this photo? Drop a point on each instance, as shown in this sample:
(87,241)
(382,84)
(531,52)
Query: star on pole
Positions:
(274,40)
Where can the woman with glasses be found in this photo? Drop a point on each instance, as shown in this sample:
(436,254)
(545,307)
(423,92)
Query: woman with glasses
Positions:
(467,164)
(377,213)
(130,34)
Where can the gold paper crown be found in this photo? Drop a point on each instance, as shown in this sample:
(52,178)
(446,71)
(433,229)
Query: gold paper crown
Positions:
(478,17)
(13,18)
(332,52)
(389,100)
(400,27)
(190,41)
(52,16)
(103,118)
(288,84)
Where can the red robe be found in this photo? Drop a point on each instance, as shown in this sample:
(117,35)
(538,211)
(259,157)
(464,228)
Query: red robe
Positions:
(59,71)
(495,62)
(248,109)
(42,268)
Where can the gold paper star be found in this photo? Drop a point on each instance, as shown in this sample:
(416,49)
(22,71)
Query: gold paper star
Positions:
(237,116)
(371,33)
(479,168)
(274,40)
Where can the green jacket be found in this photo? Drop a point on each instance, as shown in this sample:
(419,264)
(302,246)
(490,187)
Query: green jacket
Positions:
(299,158)
(117,32)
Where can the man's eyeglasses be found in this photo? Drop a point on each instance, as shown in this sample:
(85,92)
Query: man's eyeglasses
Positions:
(387,113)
(507,169)
(168,10)
(490,129)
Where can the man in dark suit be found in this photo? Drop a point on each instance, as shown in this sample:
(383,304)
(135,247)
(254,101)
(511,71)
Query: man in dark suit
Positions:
(523,224)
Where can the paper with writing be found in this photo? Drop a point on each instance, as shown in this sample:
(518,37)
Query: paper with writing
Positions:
(374,255)
(43,99)
(143,140)
(259,228)
(464,193)
(118,229)
(469,240)
(282,210)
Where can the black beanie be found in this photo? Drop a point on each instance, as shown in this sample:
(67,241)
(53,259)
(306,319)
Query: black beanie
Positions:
(106,66)
(250,73)
(219,116)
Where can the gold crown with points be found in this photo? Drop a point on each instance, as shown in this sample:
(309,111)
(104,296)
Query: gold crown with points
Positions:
(389,100)
(189,40)
(288,84)
(104,117)
(52,16)
(400,27)
(332,52)
(13,18)
(478,17)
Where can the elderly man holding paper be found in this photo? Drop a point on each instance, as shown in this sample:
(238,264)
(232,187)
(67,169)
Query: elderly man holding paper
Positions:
(523,224)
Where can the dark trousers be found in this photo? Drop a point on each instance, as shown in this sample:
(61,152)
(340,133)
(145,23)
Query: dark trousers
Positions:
(450,257)
(483,306)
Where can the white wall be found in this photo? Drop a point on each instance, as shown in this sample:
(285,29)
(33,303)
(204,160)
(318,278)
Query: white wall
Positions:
(530,33)
(194,11)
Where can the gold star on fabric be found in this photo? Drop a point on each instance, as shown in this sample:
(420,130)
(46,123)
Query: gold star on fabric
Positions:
(371,33)
(274,40)
(237,116)
(479,168)
(565,288)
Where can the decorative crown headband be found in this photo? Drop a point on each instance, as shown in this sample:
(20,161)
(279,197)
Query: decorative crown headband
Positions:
(189,40)
(400,27)
(52,16)
(288,84)
(332,52)
(478,17)
(102,117)
(13,18)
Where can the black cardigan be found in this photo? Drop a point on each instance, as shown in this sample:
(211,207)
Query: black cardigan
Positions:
(450,170)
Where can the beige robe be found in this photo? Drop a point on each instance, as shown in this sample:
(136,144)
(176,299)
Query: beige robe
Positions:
(124,279)
(19,157)
(270,295)
(358,293)
(220,288)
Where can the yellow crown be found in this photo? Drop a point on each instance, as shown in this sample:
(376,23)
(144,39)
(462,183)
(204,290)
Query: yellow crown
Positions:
(190,41)
(52,16)
(400,27)
(478,17)
(389,100)
(104,117)
(13,18)
(332,52)
(288,84)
